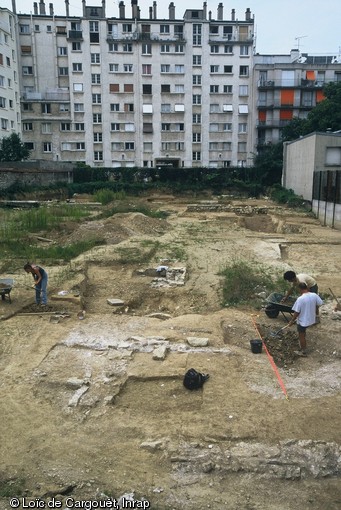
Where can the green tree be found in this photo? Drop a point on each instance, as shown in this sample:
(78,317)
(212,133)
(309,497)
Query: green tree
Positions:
(12,149)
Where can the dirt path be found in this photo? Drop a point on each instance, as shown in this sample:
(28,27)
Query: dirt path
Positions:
(95,408)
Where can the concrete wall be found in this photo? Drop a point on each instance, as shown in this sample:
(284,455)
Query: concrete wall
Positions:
(298,166)
(328,214)
(34,173)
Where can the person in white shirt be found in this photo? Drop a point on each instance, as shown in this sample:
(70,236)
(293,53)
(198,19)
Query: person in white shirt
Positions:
(305,311)
(295,279)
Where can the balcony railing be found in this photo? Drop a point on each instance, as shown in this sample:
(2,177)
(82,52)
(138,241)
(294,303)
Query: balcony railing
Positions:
(76,34)
(145,37)
(48,95)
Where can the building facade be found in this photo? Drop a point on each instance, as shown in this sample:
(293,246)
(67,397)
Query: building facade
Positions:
(288,86)
(128,91)
(10,119)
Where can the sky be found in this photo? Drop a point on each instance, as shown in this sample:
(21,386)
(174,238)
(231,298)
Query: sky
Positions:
(313,26)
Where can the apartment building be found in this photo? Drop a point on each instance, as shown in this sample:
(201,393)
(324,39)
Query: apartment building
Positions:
(10,120)
(288,86)
(133,91)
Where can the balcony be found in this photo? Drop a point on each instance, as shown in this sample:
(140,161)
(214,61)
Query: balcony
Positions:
(145,37)
(48,95)
(76,35)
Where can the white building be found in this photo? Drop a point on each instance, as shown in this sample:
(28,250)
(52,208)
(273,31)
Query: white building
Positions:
(10,120)
(132,91)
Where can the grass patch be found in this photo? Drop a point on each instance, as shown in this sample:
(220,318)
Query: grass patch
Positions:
(105,196)
(10,488)
(243,280)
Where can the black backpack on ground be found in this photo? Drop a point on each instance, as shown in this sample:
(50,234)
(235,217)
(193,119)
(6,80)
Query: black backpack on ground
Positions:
(194,380)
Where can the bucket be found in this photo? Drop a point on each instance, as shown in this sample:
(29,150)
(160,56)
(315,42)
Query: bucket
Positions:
(256,346)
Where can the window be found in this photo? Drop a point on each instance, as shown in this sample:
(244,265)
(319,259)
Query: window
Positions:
(227,89)
(77,67)
(80,146)
(243,70)
(46,128)
(147,146)
(165,68)
(24,29)
(165,88)
(214,89)
(214,29)
(228,49)
(196,137)
(48,28)
(64,107)
(78,87)
(214,69)
(227,126)
(76,46)
(113,47)
(129,126)
(129,146)
(165,108)
(113,68)
(241,146)
(66,146)
(227,108)
(165,48)
(97,137)
(179,48)
(114,107)
(196,99)
(214,108)
(146,69)
(228,69)
(165,126)
(243,90)
(197,60)
(96,98)
(164,29)
(45,108)
(79,107)
(95,79)
(47,147)
(146,89)
(214,127)
(27,70)
(243,109)
(97,118)
(127,27)
(179,107)
(333,156)
(213,146)
(147,127)
(228,32)
(179,126)
(244,51)
(116,146)
(115,126)
(196,118)
(65,126)
(76,25)
(227,146)
(62,51)
(29,145)
(2,81)
(197,30)
(63,71)
(127,48)
(179,68)
(214,48)
(196,156)
(146,49)
(128,107)
(98,156)
(2,102)
(27,126)
(128,68)
(95,58)
(114,87)
(128,87)
(79,126)
(242,127)
(179,89)
(196,79)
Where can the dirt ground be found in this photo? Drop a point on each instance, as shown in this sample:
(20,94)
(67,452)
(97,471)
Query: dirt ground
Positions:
(92,404)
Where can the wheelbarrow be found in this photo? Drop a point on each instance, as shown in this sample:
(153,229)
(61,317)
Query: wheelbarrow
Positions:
(6,285)
(274,306)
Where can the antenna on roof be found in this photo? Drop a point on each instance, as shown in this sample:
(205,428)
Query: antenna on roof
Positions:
(298,40)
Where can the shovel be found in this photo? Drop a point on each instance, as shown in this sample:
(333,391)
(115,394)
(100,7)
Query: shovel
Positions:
(275,333)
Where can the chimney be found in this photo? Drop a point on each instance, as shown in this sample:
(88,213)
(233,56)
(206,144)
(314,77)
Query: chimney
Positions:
(210,15)
(295,54)
(171,10)
(51,9)
(138,13)
(42,7)
(134,9)
(103,8)
(14,7)
(84,8)
(220,12)
(154,10)
(67,11)
(204,8)
(35,8)
(233,15)
(150,12)
(248,14)
(122,10)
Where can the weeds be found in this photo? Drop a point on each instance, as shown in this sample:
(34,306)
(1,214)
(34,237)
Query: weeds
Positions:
(105,196)
(10,488)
